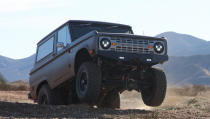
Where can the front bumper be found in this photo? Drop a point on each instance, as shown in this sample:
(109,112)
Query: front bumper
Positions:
(134,58)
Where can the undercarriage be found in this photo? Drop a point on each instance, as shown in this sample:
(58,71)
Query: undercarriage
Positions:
(121,76)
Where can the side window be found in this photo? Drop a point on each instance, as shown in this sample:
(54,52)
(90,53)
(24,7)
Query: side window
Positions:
(45,49)
(64,37)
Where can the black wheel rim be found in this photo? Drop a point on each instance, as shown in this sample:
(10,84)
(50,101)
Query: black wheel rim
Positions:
(83,83)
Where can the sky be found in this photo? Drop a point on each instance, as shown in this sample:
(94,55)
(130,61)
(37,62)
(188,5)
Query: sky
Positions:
(25,22)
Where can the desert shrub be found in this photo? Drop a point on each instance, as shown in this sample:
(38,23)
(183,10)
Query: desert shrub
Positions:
(192,101)
(22,88)
(197,106)
(2,79)
(7,87)
(192,90)
(4,86)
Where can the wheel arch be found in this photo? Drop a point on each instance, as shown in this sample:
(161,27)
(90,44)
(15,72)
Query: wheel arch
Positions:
(81,56)
(40,85)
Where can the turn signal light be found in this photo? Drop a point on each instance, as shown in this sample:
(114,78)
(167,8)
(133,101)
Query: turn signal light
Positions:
(114,44)
(150,47)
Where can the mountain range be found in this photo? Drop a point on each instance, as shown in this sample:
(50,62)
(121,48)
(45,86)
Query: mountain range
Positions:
(14,70)
(188,62)
(188,70)
(185,45)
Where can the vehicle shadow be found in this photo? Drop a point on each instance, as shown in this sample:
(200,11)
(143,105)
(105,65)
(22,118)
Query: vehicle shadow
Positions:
(23,110)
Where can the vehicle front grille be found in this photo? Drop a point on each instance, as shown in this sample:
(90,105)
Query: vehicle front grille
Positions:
(131,45)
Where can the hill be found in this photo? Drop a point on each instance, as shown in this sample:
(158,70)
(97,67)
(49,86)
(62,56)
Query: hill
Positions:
(14,70)
(185,70)
(185,45)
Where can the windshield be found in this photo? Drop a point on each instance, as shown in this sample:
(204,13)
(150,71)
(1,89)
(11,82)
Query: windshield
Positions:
(80,29)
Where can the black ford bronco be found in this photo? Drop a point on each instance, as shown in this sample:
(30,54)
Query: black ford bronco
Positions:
(93,62)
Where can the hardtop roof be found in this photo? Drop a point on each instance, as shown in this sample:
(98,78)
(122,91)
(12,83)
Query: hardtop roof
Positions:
(97,22)
(82,21)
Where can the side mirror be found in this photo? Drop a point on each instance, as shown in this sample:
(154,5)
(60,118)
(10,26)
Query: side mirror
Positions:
(60,45)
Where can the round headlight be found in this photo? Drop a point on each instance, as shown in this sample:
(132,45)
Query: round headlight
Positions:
(105,43)
(158,47)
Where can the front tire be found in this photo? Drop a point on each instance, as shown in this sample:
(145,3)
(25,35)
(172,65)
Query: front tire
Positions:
(155,95)
(88,82)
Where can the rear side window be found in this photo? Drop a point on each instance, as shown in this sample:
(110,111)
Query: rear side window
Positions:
(45,49)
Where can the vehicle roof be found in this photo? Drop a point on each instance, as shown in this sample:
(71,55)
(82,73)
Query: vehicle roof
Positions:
(82,21)
(97,22)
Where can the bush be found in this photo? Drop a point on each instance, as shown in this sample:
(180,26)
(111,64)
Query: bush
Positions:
(7,87)
(2,79)
(4,86)
(192,101)
(22,88)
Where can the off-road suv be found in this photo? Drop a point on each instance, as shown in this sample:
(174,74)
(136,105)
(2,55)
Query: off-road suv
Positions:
(93,62)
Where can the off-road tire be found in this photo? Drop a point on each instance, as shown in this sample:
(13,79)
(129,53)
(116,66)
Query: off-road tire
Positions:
(47,96)
(93,79)
(111,100)
(72,98)
(155,95)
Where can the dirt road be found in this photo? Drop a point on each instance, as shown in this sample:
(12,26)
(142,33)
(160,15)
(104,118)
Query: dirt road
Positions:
(15,104)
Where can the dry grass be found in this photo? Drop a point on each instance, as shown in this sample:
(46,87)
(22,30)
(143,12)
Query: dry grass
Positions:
(191,90)
(207,109)
(192,101)
(15,96)
(15,86)
(188,98)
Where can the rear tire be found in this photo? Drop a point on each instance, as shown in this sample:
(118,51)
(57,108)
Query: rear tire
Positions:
(112,100)
(48,97)
(88,82)
(155,95)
